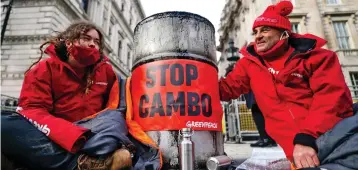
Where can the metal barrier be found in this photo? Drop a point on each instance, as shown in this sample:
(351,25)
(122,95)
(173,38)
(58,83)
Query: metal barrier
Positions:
(239,121)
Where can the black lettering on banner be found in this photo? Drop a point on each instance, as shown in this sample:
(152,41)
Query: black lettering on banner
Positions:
(176,70)
(206,105)
(193,104)
(143,112)
(178,103)
(163,78)
(191,73)
(150,77)
(157,105)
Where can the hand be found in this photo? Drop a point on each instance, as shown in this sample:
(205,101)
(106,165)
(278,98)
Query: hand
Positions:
(305,157)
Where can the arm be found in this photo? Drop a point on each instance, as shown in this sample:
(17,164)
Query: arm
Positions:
(36,103)
(110,96)
(331,102)
(237,82)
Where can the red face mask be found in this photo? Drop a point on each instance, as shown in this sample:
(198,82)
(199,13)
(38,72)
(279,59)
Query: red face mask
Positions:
(84,55)
(274,51)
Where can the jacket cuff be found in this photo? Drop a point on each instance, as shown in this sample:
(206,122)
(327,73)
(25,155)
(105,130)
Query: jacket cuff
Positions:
(80,142)
(77,140)
(306,140)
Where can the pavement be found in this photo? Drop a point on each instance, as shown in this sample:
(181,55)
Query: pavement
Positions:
(256,158)
(238,152)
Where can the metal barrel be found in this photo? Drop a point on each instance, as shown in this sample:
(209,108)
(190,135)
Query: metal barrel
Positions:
(172,36)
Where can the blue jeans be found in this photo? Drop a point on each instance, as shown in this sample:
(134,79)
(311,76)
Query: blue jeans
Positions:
(26,145)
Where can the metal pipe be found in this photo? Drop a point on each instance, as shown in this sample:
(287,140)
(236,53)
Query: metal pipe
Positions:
(7,16)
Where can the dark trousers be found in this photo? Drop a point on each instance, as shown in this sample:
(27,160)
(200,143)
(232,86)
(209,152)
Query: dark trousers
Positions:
(260,122)
(26,145)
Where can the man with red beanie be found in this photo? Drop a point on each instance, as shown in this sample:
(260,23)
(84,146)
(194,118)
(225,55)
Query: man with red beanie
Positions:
(298,85)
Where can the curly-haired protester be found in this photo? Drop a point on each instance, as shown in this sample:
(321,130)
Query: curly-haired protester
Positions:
(59,97)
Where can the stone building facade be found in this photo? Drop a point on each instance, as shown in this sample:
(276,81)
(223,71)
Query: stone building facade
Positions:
(334,20)
(31,22)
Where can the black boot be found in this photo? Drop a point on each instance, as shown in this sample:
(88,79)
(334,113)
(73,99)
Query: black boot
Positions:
(264,143)
(258,143)
(269,143)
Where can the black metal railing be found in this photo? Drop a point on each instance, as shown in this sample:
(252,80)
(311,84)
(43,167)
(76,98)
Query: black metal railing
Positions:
(8,103)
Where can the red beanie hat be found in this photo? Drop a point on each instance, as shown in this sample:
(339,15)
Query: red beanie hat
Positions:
(276,16)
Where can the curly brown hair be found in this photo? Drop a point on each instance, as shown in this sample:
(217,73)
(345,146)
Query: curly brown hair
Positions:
(72,33)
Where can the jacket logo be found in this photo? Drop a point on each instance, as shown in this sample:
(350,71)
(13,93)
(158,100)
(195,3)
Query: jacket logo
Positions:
(102,83)
(272,20)
(43,128)
(274,72)
(297,75)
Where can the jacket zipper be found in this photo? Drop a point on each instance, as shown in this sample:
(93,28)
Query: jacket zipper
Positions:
(293,117)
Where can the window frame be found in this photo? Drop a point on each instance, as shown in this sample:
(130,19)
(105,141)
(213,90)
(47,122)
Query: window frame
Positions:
(298,31)
(85,5)
(338,34)
(353,76)
(338,2)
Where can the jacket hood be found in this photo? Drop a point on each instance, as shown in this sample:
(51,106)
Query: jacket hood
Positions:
(306,42)
(50,50)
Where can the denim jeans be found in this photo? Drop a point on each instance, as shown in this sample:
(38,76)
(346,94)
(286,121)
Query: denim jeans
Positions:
(26,145)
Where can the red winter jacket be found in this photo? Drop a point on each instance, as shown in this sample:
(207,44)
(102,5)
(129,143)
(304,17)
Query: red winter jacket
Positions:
(52,98)
(307,97)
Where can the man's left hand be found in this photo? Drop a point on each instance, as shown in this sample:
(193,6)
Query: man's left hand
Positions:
(305,157)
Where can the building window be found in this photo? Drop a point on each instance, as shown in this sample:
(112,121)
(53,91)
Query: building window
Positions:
(110,31)
(129,55)
(111,26)
(119,50)
(340,28)
(129,59)
(354,79)
(130,16)
(123,5)
(332,2)
(105,19)
(85,5)
(295,28)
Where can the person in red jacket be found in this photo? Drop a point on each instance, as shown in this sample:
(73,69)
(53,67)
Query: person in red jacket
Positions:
(298,85)
(72,84)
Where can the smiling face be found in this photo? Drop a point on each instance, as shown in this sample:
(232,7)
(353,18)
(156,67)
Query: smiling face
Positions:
(266,37)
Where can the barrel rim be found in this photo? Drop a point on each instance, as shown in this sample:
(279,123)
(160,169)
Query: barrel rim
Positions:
(172,14)
(180,57)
